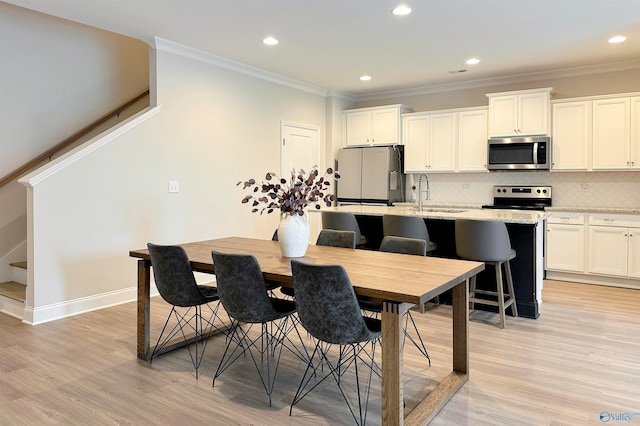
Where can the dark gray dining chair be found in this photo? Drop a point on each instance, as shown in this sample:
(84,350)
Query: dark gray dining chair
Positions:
(335,238)
(177,286)
(488,241)
(328,309)
(343,221)
(330,238)
(242,292)
(402,245)
(408,227)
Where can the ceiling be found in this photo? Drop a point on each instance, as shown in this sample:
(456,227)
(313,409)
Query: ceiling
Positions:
(331,43)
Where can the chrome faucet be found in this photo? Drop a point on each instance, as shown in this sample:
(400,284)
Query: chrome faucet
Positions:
(420,198)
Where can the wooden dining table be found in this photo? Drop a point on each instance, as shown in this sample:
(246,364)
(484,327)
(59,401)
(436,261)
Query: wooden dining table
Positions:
(398,281)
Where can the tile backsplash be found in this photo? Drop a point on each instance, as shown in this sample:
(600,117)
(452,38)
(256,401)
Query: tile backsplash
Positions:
(570,189)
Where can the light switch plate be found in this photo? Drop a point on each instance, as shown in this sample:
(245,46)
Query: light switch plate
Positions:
(174,186)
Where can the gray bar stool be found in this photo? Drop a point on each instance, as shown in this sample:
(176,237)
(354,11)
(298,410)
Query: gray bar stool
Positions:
(407,227)
(343,221)
(488,241)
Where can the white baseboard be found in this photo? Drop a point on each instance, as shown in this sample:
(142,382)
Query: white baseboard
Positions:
(593,279)
(55,311)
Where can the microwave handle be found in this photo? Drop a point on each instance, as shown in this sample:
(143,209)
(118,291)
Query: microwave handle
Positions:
(535,153)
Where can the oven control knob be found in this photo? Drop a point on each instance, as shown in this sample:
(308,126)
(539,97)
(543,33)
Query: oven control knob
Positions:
(504,190)
(538,191)
(544,191)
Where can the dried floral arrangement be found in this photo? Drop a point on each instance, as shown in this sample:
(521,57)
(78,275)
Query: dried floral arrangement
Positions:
(290,196)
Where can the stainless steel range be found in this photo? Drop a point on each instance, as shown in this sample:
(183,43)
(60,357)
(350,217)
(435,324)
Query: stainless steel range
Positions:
(520,197)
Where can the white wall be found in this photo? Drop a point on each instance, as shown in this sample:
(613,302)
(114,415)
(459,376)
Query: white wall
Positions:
(214,127)
(56,77)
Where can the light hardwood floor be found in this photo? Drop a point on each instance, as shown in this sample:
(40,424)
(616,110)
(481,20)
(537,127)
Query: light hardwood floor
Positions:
(580,358)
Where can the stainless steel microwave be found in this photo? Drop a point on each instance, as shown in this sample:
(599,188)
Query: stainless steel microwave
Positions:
(521,153)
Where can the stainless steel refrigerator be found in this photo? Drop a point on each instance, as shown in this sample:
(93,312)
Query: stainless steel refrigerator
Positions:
(370,175)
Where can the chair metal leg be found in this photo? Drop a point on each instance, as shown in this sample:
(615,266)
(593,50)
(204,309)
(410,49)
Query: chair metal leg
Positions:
(417,342)
(196,322)
(337,371)
(269,344)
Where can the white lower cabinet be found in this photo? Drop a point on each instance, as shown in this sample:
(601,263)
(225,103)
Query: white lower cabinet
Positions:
(601,248)
(565,243)
(613,245)
(608,250)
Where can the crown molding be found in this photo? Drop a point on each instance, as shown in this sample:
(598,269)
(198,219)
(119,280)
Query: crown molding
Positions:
(222,62)
(510,79)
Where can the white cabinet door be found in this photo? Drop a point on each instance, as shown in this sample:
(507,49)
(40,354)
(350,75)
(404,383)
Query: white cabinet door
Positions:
(571,135)
(523,113)
(635,132)
(503,116)
(634,252)
(533,114)
(443,129)
(472,141)
(415,132)
(357,128)
(384,126)
(608,248)
(565,247)
(611,133)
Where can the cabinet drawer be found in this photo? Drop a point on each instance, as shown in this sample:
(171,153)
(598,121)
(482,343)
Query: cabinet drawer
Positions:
(566,217)
(621,220)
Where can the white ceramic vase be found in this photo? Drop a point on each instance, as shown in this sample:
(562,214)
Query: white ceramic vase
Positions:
(293,235)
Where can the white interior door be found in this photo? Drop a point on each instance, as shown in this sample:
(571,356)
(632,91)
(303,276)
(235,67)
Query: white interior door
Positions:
(300,149)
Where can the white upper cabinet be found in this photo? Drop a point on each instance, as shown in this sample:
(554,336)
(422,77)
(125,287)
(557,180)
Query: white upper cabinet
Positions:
(415,133)
(596,133)
(472,140)
(445,141)
(443,134)
(612,134)
(571,135)
(429,142)
(373,126)
(520,113)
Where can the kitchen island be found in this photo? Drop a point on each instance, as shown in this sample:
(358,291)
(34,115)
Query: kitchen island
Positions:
(525,231)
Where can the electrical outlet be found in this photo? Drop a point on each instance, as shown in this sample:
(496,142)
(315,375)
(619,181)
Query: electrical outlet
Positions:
(174,186)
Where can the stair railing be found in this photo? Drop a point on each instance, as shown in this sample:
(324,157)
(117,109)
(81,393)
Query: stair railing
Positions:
(68,141)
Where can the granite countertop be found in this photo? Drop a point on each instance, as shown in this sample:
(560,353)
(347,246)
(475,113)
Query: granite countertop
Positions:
(446,212)
(592,210)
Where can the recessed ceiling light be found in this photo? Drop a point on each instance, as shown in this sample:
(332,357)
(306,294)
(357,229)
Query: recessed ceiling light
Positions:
(270,41)
(401,10)
(365,78)
(617,39)
(473,61)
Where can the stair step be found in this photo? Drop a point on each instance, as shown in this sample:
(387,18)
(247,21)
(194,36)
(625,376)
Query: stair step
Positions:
(13,290)
(21,265)
(19,272)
